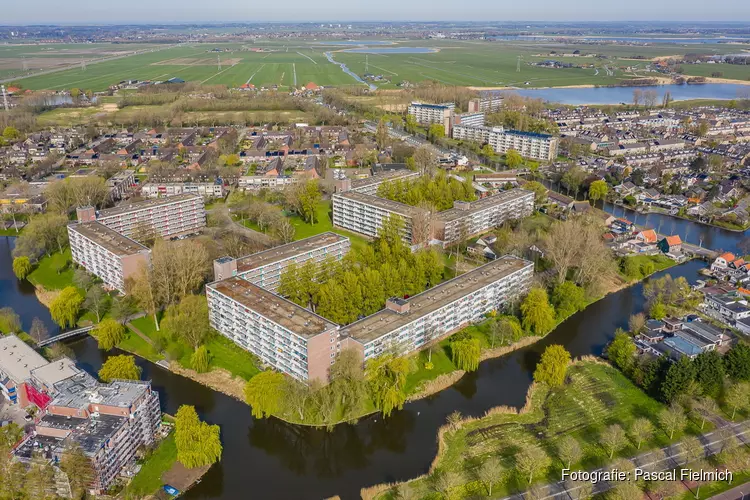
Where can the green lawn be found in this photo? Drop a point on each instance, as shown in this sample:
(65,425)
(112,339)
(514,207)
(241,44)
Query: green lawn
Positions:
(148,480)
(660,262)
(595,396)
(135,344)
(45,273)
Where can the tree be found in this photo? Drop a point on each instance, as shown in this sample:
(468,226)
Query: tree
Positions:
(96,301)
(705,407)
(386,378)
(657,311)
(540,192)
(569,450)
(491,471)
(120,367)
(79,469)
(579,490)
(625,490)
(465,351)
(573,178)
(436,131)
(641,430)
(443,482)
(505,329)
(737,397)
(123,307)
(200,359)
(692,448)
(568,298)
(198,443)
(82,279)
(637,323)
(188,320)
(553,366)
(613,439)
(44,234)
(21,267)
(737,362)
(537,313)
(38,331)
(109,333)
(678,377)
(263,393)
(10,322)
(65,307)
(709,372)
(598,190)
(621,351)
(532,460)
(672,420)
(513,159)
(381,134)
(424,160)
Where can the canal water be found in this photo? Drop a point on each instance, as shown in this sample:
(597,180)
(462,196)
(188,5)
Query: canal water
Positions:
(270,459)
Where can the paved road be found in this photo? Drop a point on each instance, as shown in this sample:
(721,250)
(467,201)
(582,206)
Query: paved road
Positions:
(671,459)
(741,492)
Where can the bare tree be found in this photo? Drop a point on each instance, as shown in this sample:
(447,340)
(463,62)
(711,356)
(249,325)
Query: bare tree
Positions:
(38,331)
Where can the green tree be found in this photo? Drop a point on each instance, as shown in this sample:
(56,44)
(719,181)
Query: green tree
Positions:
(537,313)
(120,367)
(21,267)
(513,159)
(79,469)
(10,322)
(488,151)
(11,133)
(678,377)
(386,378)
(568,298)
(737,362)
(553,366)
(658,311)
(598,190)
(188,320)
(198,443)
(621,351)
(491,471)
(96,301)
(505,329)
(737,397)
(540,192)
(75,93)
(381,134)
(613,439)
(641,430)
(625,490)
(709,372)
(465,351)
(264,393)
(436,131)
(672,420)
(65,307)
(532,460)
(200,359)
(109,333)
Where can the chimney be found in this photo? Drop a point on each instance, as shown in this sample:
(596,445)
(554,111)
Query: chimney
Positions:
(86,214)
(397,305)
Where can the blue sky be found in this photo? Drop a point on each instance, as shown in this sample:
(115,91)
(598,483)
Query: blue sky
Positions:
(171,11)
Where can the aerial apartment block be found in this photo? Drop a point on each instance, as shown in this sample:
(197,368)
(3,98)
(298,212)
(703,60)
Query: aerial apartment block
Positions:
(529,144)
(164,189)
(106,253)
(407,325)
(171,216)
(282,334)
(488,102)
(364,214)
(108,421)
(264,268)
(427,114)
(298,342)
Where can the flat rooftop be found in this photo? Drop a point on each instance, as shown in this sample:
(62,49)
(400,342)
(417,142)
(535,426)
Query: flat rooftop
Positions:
(18,359)
(376,201)
(125,208)
(82,389)
(56,371)
(277,309)
(108,238)
(382,176)
(260,259)
(385,321)
(484,204)
(90,433)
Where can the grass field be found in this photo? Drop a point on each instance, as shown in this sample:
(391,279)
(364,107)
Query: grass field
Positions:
(148,480)
(456,62)
(46,271)
(595,396)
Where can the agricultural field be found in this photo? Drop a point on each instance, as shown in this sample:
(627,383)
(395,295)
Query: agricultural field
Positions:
(453,62)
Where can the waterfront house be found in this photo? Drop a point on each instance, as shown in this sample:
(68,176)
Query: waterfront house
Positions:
(671,245)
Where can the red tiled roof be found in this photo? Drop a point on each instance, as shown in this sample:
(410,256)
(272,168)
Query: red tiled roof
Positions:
(648,235)
(727,256)
(673,240)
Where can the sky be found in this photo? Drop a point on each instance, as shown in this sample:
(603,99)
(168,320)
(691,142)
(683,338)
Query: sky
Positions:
(178,11)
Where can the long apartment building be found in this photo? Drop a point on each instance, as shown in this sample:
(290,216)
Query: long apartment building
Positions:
(489,102)
(304,345)
(171,216)
(106,253)
(282,334)
(529,144)
(264,268)
(108,421)
(164,189)
(364,214)
(407,325)
(427,114)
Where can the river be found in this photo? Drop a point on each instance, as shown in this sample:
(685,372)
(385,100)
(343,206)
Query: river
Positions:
(619,95)
(276,460)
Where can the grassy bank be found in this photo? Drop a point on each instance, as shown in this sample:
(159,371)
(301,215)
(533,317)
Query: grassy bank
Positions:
(148,480)
(53,272)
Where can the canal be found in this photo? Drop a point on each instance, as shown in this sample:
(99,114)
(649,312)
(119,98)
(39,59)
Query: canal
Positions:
(274,460)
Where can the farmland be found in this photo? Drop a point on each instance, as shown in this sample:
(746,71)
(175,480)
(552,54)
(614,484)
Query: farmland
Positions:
(266,63)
